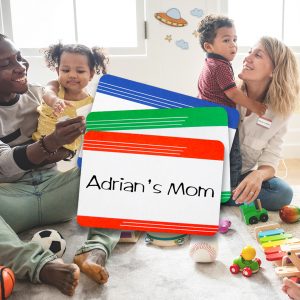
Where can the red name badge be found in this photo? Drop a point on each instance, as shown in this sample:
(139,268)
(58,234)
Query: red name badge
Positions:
(150,183)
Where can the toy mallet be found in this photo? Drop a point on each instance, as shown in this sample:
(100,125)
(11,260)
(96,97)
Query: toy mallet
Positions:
(289,213)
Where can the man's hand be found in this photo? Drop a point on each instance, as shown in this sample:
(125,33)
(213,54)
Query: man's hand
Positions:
(61,154)
(66,132)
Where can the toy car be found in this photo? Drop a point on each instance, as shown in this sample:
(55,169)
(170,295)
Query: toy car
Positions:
(246,262)
(252,215)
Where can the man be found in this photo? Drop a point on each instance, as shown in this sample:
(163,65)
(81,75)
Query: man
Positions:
(32,191)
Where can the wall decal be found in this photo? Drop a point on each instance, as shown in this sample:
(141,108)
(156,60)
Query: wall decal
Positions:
(196,34)
(168,38)
(172,18)
(197,12)
(182,44)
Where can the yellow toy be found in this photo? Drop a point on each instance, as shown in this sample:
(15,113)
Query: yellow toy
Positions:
(246,262)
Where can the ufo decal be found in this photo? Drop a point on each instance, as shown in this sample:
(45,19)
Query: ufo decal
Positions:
(172,18)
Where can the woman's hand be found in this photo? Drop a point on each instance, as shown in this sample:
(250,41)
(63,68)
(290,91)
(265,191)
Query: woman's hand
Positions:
(248,190)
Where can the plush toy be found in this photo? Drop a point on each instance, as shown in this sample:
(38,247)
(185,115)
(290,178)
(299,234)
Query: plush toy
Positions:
(7,282)
(52,240)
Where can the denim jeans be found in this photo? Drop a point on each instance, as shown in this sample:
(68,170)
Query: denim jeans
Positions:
(235,161)
(41,198)
(274,194)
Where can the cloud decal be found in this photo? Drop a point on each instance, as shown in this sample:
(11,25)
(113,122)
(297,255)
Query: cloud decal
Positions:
(197,12)
(182,44)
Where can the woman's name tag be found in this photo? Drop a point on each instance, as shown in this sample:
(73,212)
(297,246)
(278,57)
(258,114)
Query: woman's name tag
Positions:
(264,122)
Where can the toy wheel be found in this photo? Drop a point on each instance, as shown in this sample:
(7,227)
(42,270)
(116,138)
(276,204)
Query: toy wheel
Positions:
(148,240)
(247,272)
(253,220)
(264,217)
(234,269)
(180,241)
(258,260)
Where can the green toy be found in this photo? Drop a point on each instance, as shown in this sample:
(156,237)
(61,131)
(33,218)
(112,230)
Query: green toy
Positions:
(252,215)
(246,262)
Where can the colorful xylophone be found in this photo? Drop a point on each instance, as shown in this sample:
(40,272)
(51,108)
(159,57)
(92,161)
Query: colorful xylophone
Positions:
(280,248)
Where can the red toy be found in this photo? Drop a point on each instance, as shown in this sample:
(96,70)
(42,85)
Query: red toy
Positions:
(289,213)
(7,282)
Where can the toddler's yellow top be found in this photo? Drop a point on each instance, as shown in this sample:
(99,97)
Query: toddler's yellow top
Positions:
(47,119)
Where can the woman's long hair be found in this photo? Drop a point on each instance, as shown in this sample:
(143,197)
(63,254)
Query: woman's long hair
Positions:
(283,92)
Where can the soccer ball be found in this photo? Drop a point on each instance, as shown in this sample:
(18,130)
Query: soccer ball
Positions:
(52,240)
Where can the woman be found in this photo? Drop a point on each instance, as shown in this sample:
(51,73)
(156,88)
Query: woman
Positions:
(269,75)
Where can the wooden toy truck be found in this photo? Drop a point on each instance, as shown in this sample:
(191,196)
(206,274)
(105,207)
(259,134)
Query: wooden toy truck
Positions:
(251,214)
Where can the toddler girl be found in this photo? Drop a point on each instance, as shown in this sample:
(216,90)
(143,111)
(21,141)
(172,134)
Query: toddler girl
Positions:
(75,65)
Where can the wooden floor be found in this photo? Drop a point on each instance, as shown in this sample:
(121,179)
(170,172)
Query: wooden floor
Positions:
(290,173)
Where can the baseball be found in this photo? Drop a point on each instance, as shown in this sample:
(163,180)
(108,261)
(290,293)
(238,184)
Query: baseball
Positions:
(204,249)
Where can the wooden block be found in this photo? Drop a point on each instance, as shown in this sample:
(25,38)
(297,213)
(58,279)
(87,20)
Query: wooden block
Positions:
(270,232)
(287,271)
(283,247)
(276,237)
(291,247)
(275,256)
(277,263)
(292,255)
(278,243)
(270,250)
(259,229)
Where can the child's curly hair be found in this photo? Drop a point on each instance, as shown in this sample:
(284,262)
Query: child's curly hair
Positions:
(3,37)
(208,28)
(96,58)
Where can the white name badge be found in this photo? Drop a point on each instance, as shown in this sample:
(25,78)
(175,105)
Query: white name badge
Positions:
(150,183)
(264,122)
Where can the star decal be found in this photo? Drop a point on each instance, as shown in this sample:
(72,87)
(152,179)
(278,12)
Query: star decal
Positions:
(168,38)
(196,34)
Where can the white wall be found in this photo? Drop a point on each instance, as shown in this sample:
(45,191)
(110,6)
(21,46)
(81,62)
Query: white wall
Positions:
(166,65)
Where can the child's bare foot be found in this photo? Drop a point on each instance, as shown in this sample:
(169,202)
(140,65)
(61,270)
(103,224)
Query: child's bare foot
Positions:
(63,276)
(92,264)
(291,288)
